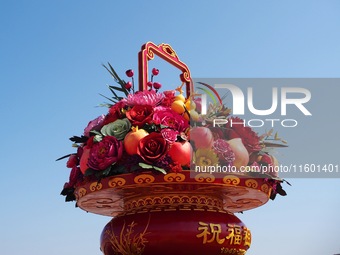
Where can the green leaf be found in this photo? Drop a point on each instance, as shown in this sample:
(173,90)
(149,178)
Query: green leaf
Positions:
(149,127)
(105,105)
(66,156)
(106,172)
(79,139)
(97,138)
(110,99)
(89,172)
(95,132)
(116,78)
(145,166)
(113,92)
(117,88)
(160,170)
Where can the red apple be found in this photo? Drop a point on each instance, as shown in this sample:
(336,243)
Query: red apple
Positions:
(202,137)
(181,152)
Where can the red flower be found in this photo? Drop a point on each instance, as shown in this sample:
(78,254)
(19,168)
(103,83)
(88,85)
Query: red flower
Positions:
(104,153)
(152,148)
(139,115)
(75,175)
(236,129)
(115,112)
(169,96)
(72,161)
(218,133)
(170,119)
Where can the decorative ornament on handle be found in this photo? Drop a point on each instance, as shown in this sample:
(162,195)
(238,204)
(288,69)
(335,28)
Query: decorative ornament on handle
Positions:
(165,52)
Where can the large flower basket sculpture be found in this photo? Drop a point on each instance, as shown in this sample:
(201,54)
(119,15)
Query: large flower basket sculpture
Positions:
(139,162)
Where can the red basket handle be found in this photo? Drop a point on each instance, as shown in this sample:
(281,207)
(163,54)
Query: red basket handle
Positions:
(165,52)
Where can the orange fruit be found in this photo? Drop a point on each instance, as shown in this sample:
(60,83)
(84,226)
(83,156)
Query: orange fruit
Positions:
(178,106)
(180,97)
(132,139)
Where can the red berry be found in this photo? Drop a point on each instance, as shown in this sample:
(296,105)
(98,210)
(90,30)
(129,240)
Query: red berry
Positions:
(149,84)
(155,71)
(128,85)
(129,73)
(157,85)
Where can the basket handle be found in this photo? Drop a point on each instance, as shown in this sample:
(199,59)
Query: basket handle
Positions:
(165,52)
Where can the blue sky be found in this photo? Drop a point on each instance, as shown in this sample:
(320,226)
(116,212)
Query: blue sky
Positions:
(51,76)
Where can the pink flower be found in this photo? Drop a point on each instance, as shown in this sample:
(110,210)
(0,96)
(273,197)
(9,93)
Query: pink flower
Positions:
(169,96)
(95,124)
(169,135)
(223,150)
(166,117)
(104,153)
(144,98)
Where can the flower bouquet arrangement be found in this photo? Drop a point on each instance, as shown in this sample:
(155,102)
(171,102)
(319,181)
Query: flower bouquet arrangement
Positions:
(165,132)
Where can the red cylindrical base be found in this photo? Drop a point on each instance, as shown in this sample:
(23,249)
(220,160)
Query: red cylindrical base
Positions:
(183,232)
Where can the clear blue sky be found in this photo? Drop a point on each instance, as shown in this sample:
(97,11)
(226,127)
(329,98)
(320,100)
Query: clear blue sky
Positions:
(51,76)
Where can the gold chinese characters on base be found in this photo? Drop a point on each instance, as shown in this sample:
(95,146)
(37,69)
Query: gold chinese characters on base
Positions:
(174,213)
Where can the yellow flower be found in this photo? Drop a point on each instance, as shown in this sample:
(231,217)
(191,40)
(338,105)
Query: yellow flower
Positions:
(206,157)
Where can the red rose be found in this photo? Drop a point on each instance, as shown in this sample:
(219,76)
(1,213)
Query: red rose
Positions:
(152,148)
(236,129)
(104,153)
(115,112)
(140,114)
